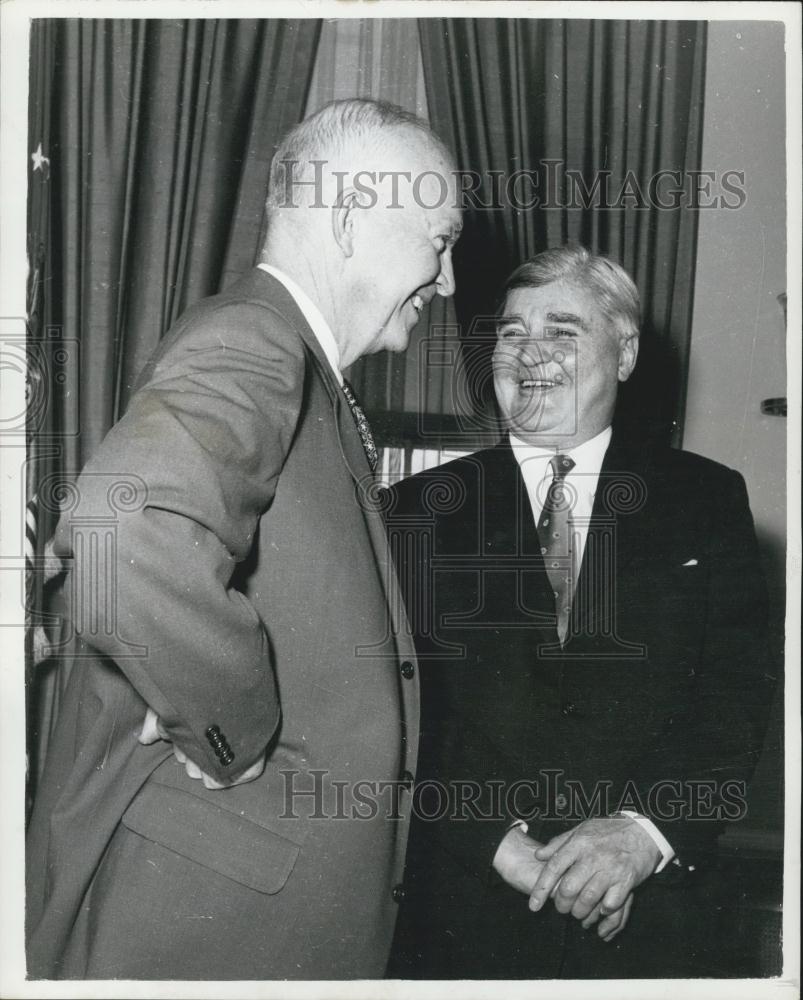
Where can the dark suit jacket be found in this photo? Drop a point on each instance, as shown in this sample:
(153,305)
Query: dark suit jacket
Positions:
(660,686)
(227,516)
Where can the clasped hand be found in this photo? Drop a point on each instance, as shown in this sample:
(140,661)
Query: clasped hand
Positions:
(153,730)
(589,871)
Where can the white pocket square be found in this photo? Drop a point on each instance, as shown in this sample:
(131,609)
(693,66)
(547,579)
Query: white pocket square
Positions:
(691,562)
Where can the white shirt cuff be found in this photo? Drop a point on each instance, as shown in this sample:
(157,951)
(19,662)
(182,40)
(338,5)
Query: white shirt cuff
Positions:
(663,845)
(517,824)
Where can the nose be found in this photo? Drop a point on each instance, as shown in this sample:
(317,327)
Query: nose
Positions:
(535,352)
(445,280)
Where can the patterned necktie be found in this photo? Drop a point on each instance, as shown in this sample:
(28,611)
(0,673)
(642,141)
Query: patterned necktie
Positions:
(366,436)
(555,535)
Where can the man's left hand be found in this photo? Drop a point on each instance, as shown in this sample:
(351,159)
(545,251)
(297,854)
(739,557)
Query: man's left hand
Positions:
(595,866)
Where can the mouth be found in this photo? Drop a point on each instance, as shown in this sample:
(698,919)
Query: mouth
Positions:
(541,384)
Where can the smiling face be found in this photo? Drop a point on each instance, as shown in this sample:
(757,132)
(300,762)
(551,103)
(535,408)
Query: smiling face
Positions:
(557,364)
(403,255)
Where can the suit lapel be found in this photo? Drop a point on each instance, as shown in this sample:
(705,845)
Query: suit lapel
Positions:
(509,530)
(507,515)
(272,292)
(261,285)
(621,498)
(615,534)
(269,290)
(264,287)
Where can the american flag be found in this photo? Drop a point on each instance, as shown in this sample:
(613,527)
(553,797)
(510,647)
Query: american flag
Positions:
(36,385)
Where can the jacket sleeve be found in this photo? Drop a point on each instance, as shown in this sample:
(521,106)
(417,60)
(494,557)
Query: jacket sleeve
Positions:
(715,737)
(163,513)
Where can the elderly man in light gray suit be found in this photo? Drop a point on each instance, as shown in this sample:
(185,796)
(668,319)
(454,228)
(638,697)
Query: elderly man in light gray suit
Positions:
(203,808)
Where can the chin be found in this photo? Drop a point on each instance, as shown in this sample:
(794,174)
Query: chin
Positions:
(395,341)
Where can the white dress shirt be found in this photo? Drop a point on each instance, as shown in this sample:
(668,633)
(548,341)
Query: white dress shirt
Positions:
(312,314)
(582,479)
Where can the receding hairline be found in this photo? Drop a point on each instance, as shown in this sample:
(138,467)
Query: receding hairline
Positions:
(426,145)
(343,130)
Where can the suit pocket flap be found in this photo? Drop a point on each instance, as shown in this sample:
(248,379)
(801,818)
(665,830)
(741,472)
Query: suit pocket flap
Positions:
(215,838)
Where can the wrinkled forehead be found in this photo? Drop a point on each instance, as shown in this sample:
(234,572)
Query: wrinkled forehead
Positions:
(561,302)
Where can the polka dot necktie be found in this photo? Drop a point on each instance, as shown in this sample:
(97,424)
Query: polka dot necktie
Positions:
(366,436)
(555,535)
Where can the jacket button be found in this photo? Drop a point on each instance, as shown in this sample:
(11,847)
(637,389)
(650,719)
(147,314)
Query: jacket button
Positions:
(561,801)
(407,780)
(568,708)
(398,893)
(407,670)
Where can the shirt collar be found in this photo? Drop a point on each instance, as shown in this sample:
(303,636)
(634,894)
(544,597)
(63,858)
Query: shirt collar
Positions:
(587,456)
(312,314)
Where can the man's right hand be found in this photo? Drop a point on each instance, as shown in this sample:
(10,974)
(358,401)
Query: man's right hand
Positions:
(516,862)
(153,730)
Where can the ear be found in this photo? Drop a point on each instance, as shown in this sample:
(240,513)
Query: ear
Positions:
(344,220)
(628,352)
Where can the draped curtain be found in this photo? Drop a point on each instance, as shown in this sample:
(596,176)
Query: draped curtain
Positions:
(158,137)
(162,134)
(582,97)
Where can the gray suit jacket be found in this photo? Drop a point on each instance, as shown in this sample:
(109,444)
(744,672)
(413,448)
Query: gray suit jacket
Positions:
(231,571)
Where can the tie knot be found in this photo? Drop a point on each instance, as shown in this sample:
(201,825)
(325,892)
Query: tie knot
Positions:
(562,465)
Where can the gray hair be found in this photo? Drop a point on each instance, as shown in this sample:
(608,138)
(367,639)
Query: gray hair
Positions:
(613,288)
(330,132)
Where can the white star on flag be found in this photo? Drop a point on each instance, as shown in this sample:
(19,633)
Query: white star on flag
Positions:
(39,160)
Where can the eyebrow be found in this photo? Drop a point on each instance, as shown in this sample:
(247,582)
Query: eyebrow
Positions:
(571,318)
(552,317)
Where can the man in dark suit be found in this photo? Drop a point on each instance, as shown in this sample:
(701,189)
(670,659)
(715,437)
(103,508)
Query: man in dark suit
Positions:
(215,799)
(590,620)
